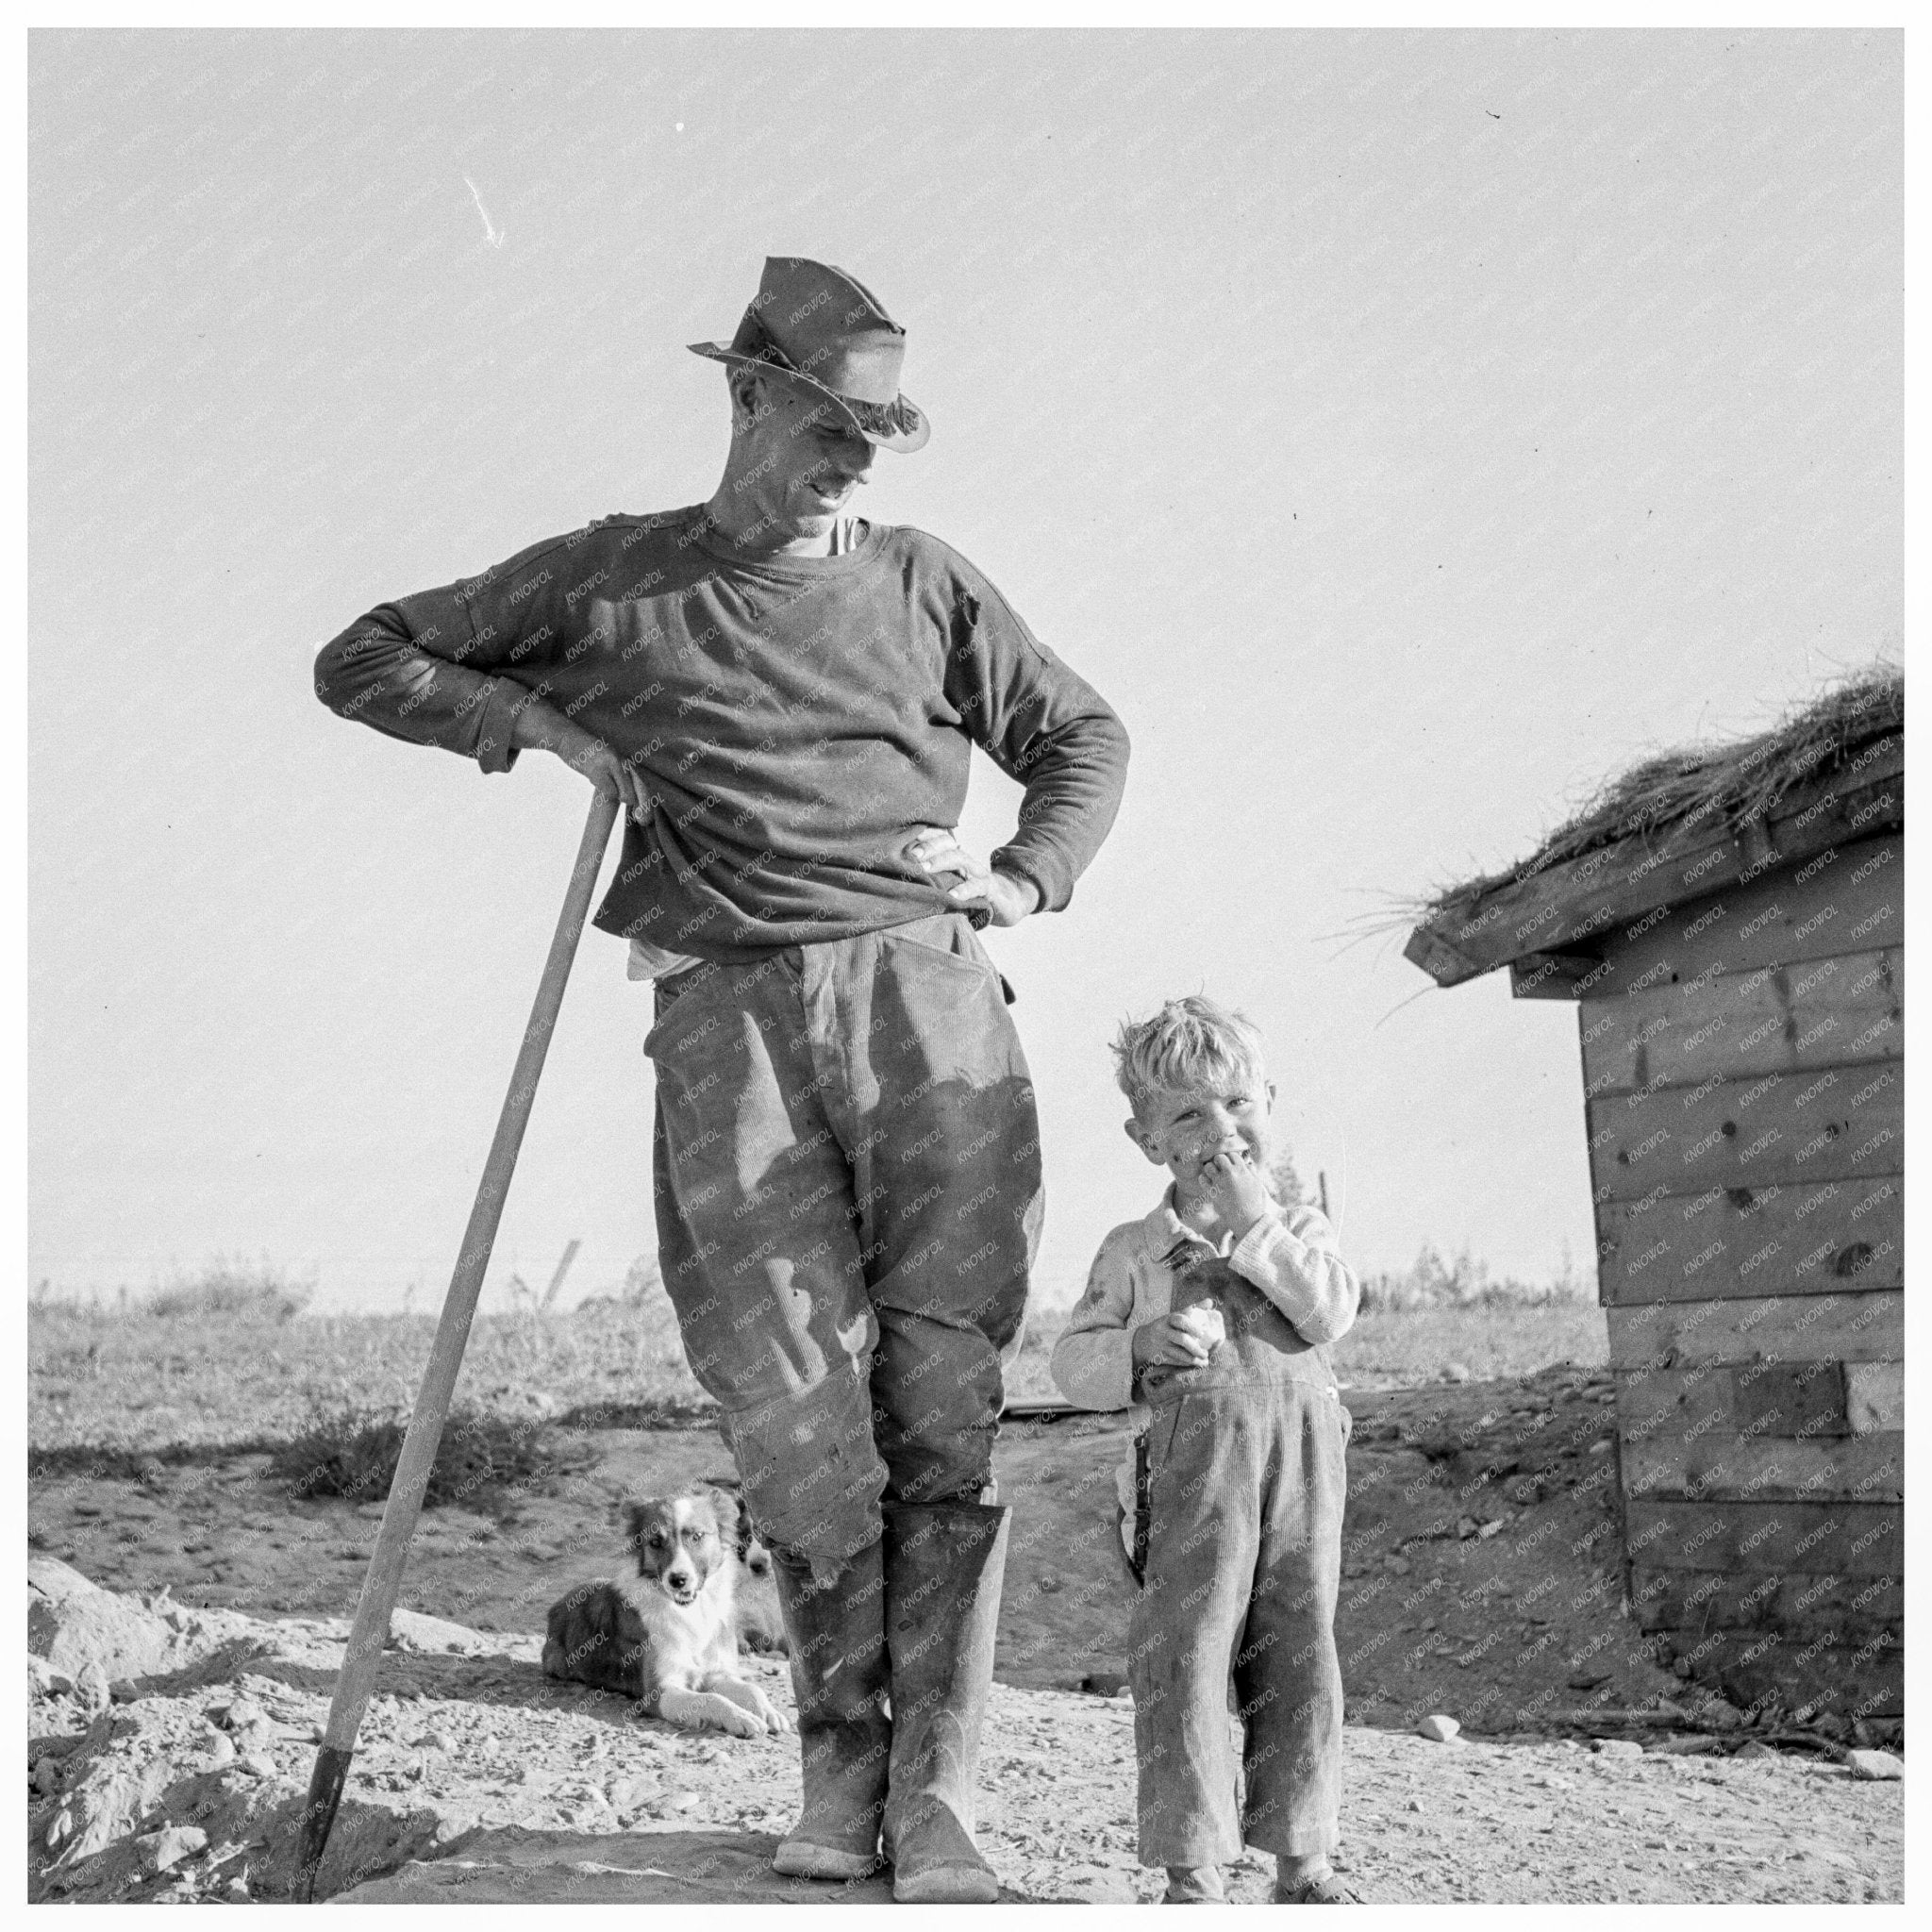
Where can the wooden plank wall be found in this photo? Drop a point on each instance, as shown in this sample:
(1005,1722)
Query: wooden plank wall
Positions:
(1744,1072)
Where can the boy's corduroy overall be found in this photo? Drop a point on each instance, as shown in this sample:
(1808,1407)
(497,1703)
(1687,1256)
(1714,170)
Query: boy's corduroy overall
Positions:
(1241,1527)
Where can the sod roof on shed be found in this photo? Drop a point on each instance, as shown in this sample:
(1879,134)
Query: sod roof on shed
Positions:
(1621,852)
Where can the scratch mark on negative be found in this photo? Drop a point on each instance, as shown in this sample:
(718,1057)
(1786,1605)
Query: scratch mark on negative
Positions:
(491,233)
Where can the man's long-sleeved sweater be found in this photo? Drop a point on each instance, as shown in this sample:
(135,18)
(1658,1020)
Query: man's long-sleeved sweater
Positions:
(792,718)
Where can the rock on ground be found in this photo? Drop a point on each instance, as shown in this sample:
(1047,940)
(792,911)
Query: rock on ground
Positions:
(412,1631)
(72,1624)
(162,1849)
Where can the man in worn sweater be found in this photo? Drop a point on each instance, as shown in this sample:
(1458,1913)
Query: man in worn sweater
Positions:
(846,1154)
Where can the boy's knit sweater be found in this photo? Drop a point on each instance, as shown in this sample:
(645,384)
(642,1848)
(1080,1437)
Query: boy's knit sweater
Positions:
(1289,1254)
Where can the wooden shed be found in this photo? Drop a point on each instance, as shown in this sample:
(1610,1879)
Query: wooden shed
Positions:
(1730,925)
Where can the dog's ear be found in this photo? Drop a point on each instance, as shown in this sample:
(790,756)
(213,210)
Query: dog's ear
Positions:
(633,1517)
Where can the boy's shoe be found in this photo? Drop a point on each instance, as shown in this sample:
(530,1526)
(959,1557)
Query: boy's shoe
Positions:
(1194,1885)
(1323,1888)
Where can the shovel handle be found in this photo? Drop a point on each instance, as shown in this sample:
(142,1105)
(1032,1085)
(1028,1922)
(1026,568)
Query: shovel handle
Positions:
(369,1631)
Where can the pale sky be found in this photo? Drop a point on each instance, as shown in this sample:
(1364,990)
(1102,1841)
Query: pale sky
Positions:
(1403,431)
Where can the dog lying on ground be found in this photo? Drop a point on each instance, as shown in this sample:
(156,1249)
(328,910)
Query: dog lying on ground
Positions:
(669,1635)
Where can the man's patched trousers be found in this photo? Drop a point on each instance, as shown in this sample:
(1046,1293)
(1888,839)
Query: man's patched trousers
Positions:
(848,1204)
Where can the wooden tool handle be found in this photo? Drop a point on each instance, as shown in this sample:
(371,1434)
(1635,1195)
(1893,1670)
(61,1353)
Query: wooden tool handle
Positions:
(379,1587)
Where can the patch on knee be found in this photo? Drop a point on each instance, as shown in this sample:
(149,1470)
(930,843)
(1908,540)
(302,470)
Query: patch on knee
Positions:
(810,1473)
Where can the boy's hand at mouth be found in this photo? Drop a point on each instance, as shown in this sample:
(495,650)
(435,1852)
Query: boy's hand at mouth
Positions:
(1237,1187)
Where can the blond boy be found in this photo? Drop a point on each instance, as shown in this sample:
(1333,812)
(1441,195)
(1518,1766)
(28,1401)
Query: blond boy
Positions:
(1211,1317)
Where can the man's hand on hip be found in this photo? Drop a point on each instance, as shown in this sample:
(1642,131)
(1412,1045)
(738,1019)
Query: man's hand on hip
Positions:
(541,726)
(1007,896)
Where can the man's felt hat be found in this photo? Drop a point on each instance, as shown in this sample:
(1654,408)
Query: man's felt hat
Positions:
(826,335)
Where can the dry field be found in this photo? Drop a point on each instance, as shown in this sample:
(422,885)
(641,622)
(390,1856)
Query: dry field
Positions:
(129,1380)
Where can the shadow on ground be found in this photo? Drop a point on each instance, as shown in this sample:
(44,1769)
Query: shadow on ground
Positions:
(515,1866)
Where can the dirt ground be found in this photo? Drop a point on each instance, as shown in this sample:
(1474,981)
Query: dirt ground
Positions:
(1482,1580)
(477,1780)
(1481,1565)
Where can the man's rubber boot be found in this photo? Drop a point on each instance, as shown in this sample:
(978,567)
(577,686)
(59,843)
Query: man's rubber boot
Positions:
(944,1564)
(837,1634)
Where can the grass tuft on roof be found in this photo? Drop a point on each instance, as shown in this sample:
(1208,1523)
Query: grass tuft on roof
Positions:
(1735,782)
